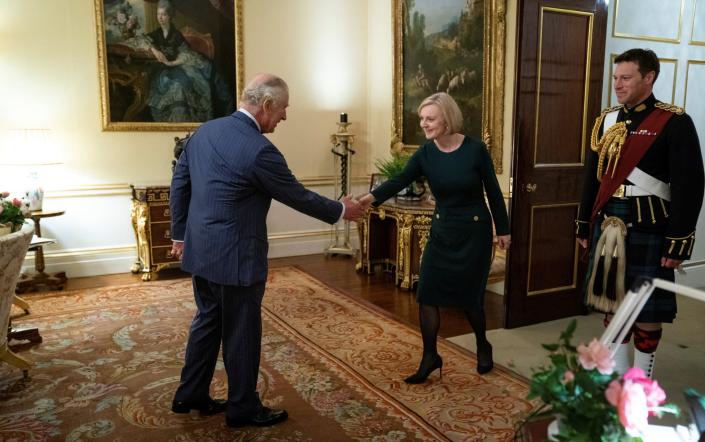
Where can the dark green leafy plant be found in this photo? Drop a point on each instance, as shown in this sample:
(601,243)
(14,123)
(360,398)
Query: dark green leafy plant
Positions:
(392,166)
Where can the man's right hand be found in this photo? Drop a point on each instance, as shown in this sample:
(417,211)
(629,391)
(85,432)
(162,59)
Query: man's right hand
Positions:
(177,249)
(583,242)
(353,209)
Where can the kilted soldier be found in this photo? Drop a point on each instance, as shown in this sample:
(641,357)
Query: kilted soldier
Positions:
(641,200)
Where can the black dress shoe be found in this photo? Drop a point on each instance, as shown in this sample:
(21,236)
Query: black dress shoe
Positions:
(425,370)
(484,359)
(263,418)
(209,407)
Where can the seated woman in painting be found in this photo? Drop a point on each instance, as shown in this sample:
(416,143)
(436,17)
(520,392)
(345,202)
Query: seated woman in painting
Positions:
(183,86)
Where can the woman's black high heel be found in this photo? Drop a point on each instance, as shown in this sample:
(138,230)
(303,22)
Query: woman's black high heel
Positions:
(484,359)
(423,372)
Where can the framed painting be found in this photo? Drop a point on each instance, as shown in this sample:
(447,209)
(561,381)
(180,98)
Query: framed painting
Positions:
(454,46)
(168,64)
(376,179)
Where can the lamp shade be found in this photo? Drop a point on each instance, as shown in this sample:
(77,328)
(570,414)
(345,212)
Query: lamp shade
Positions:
(29,147)
(24,153)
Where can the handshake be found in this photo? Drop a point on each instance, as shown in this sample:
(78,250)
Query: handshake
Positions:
(355,208)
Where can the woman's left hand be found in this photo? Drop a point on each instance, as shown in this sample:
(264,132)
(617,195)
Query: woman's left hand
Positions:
(503,241)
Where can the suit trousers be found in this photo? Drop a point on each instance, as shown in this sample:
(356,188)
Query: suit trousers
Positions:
(233,315)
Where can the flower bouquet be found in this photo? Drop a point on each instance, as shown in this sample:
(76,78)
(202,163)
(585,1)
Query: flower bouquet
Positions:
(12,212)
(590,401)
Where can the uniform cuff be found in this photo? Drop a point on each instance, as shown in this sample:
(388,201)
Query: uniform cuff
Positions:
(679,248)
(582,229)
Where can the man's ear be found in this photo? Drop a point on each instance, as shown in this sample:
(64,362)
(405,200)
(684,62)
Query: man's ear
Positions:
(267,105)
(650,77)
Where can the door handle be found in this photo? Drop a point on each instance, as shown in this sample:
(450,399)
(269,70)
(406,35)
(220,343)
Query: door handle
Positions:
(530,187)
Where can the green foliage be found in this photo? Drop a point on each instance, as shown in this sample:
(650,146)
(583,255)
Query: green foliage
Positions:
(393,166)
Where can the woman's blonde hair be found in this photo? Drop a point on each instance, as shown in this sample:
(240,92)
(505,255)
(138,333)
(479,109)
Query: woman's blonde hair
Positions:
(452,115)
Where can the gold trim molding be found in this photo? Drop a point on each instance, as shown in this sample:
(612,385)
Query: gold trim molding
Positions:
(647,37)
(586,90)
(493,78)
(692,27)
(90,190)
(529,292)
(121,189)
(687,75)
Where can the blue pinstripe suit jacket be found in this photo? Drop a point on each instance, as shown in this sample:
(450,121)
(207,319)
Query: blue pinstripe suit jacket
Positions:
(221,191)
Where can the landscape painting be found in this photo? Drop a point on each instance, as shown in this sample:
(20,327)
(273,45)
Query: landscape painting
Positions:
(447,46)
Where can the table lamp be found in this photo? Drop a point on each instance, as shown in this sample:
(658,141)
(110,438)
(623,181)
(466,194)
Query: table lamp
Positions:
(29,151)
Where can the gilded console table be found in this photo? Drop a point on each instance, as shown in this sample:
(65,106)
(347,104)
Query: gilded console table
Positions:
(151,220)
(394,235)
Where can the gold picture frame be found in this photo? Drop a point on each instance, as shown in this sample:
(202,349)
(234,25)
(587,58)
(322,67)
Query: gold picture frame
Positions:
(491,105)
(138,92)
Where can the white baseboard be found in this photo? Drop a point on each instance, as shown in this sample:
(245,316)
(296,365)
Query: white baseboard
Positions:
(86,262)
(119,259)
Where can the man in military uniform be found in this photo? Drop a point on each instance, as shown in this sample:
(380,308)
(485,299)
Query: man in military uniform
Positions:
(641,200)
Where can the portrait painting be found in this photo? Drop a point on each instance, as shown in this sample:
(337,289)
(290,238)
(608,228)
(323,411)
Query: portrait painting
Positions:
(168,64)
(453,46)
(376,180)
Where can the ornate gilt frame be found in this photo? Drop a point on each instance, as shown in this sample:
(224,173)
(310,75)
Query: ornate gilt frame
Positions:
(492,85)
(109,125)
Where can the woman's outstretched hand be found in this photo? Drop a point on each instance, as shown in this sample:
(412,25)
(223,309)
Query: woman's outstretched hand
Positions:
(366,200)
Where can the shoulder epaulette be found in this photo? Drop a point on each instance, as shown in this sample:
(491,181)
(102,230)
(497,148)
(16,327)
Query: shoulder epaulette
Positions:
(670,108)
(598,123)
(607,110)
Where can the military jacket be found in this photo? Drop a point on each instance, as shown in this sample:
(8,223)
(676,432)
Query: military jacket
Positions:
(674,158)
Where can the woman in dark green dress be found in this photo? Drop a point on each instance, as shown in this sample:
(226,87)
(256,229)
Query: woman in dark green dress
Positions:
(456,259)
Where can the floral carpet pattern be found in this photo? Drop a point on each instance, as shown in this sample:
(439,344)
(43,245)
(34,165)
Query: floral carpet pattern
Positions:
(111,360)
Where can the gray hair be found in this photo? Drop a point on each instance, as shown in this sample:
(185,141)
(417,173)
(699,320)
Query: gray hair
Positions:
(452,115)
(167,6)
(265,87)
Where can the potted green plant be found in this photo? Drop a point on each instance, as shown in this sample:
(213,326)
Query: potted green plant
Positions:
(392,167)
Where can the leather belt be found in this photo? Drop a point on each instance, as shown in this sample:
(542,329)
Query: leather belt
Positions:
(626,190)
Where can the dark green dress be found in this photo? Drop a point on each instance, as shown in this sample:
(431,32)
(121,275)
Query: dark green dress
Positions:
(456,260)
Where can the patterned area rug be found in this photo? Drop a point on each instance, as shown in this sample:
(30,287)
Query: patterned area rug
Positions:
(111,359)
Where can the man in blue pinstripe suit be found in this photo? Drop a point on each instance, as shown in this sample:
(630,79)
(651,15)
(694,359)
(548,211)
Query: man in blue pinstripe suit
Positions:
(221,192)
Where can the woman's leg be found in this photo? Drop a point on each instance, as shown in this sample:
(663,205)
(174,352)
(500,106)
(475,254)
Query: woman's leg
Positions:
(430,321)
(484,349)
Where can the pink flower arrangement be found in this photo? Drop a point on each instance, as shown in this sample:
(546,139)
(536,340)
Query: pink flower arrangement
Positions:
(12,212)
(590,399)
(636,398)
(596,355)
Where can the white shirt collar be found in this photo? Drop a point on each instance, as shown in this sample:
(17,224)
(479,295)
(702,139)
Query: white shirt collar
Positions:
(251,118)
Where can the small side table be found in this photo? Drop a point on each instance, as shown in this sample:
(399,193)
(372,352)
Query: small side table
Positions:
(55,281)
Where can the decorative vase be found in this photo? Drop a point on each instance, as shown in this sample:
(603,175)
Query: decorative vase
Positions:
(5,229)
(554,428)
(35,196)
(412,192)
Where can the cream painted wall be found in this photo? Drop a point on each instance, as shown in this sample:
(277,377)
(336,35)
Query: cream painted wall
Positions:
(335,54)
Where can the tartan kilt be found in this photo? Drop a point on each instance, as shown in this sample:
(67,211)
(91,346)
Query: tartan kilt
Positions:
(644,250)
